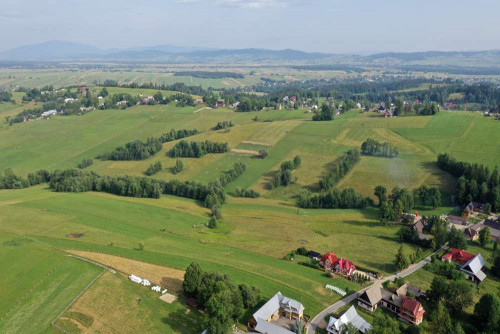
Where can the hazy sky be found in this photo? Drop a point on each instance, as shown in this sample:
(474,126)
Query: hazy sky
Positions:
(336,26)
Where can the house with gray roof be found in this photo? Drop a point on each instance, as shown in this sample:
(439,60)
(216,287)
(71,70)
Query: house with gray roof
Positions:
(472,269)
(350,316)
(266,319)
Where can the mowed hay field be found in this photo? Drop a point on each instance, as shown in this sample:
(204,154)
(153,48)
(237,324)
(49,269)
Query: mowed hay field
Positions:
(37,283)
(110,306)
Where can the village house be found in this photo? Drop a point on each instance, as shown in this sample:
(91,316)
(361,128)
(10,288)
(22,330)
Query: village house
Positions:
(219,104)
(450,105)
(408,309)
(350,316)
(469,264)
(234,105)
(472,269)
(456,220)
(87,108)
(69,100)
(198,101)
(121,103)
(471,208)
(472,232)
(419,228)
(276,316)
(83,89)
(330,262)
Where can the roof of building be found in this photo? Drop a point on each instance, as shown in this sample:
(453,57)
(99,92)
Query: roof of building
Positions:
(408,288)
(469,207)
(270,328)
(269,308)
(411,305)
(330,257)
(373,294)
(492,224)
(475,264)
(350,316)
(345,264)
(291,304)
(458,255)
(457,219)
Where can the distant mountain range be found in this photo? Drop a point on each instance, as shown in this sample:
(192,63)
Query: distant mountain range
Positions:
(68,51)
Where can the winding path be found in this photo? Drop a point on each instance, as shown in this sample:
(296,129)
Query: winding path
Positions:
(316,321)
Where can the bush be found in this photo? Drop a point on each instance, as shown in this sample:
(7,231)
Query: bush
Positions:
(179,166)
(213,222)
(154,168)
(85,163)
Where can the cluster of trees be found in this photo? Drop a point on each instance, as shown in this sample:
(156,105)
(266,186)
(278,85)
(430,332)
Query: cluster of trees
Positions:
(475,182)
(9,180)
(85,163)
(179,166)
(135,150)
(333,199)
(5,96)
(230,175)
(139,150)
(183,149)
(153,168)
(424,195)
(393,206)
(184,100)
(223,125)
(344,164)
(324,114)
(176,87)
(249,193)
(373,147)
(284,176)
(223,301)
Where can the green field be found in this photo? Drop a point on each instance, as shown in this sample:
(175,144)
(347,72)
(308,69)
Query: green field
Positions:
(37,283)
(254,234)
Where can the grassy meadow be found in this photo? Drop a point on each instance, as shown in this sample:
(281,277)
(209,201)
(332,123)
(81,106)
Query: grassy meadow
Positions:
(254,234)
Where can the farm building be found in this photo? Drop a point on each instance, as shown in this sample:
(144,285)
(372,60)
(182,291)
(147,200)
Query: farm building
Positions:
(276,315)
(198,101)
(349,316)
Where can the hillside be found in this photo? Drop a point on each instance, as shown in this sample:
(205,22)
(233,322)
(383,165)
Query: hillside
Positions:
(254,235)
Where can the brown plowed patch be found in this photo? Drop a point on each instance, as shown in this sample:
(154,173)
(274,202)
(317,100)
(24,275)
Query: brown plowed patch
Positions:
(235,150)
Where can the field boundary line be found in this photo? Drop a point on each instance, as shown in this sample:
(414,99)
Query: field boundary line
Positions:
(75,299)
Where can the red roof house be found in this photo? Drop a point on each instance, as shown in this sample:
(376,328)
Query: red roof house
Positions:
(412,310)
(328,260)
(293,98)
(331,262)
(344,267)
(458,256)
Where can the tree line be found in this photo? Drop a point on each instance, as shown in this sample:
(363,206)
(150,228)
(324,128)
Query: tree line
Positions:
(475,182)
(73,180)
(333,199)
(373,147)
(195,149)
(230,175)
(342,166)
(223,301)
(85,163)
(139,150)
